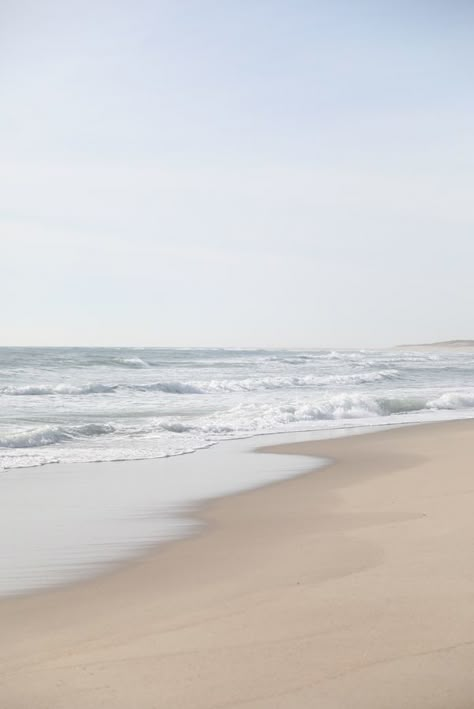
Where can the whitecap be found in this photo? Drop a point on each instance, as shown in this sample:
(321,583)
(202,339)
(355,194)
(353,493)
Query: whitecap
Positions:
(49,435)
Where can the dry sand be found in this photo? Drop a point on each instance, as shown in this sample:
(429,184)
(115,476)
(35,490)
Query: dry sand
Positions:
(350,587)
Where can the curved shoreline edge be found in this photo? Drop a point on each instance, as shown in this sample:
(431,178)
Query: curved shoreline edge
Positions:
(353,581)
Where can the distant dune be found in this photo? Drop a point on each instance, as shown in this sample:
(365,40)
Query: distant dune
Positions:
(461,345)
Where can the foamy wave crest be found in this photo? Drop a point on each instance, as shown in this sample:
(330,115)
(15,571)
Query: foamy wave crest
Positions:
(134,362)
(363,377)
(265,383)
(342,355)
(206,428)
(452,400)
(337,407)
(49,435)
(254,417)
(169,387)
(293,359)
(410,358)
(65,389)
(348,406)
(340,407)
(213,386)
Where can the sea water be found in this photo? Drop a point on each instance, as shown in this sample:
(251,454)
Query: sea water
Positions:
(67,510)
(106,404)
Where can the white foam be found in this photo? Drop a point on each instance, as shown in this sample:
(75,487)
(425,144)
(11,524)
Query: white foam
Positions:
(154,403)
(204,386)
(133,362)
(49,435)
(58,389)
(452,401)
(267,383)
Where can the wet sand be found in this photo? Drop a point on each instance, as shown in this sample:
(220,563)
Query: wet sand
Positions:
(352,586)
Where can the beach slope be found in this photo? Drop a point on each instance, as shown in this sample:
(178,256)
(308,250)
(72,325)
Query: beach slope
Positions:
(352,586)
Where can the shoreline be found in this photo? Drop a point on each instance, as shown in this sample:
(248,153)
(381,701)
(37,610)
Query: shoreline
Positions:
(356,572)
(80,521)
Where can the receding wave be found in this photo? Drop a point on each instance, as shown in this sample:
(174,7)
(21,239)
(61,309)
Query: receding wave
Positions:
(49,435)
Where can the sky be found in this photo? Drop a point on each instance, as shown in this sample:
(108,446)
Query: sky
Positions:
(248,173)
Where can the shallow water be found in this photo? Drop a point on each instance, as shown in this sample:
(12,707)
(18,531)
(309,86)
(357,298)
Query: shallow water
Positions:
(103,404)
(60,523)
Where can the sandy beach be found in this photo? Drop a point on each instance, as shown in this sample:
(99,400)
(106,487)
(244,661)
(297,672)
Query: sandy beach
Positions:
(352,586)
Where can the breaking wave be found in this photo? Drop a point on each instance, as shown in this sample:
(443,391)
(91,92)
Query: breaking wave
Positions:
(265,383)
(452,401)
(207,387)
(134,362)
(65,389)
(165,402)
(49,435)
(169,387)
(349,406)
(249,418)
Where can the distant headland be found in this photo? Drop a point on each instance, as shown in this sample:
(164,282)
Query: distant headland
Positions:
(444,345)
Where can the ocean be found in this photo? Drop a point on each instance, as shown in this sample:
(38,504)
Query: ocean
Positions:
(73,405)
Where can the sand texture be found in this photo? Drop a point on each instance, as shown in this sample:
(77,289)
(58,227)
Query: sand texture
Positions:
(348,588)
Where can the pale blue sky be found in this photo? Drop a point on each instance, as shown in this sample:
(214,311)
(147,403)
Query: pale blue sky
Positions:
(236,173)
